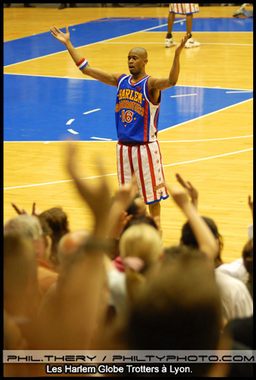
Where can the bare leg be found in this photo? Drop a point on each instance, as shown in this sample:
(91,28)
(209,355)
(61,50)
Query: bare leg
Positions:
(189,22)
(155,210)
(171,19)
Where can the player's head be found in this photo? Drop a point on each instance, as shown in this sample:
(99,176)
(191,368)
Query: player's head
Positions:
(137,59)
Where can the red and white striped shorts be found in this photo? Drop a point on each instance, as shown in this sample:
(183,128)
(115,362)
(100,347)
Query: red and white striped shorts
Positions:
(145,162)
(184,8)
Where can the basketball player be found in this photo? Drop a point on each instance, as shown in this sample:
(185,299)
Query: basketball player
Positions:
(187,9)
(137,111)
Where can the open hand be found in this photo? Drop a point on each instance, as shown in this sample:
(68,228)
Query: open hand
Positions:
(193,193)
(24,212)
(182,43)
(59,35)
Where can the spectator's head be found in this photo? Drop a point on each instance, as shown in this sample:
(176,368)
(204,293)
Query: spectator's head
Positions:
(69,245)
(57,221)
(28,226)
(137,207)
(188,238)
(25,225)
(142,241)
(179,308)
(140,219)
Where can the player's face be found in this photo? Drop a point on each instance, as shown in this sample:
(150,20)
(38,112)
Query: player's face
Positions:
(135,63)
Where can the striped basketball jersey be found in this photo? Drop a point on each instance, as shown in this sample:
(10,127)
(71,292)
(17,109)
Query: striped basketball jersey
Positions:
(136,116)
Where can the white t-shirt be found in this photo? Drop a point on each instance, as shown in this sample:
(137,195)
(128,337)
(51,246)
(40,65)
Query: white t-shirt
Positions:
(235,269)
(235,297)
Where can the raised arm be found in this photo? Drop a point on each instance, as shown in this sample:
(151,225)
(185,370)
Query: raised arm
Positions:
(206,241)
(163,83)
(82,63)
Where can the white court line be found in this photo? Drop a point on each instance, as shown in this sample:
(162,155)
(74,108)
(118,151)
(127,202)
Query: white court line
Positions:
(111,140)
(224,44)
(70,121)
(93,43)
(95,110)
(89,78)
(108,39)
(101,138)
(237,92)
(213,87)
(209,157)
(201,117)
(50,76)
(180,96)
(72,131)
(203,140)
(113,174)
(161,43)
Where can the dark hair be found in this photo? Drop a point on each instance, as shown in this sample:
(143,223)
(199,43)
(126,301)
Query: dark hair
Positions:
(178,309)
(247,255)
(188,238)
(139,219)
(57,221)
(134,208)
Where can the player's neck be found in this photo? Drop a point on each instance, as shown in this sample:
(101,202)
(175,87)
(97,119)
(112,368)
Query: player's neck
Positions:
(137,77)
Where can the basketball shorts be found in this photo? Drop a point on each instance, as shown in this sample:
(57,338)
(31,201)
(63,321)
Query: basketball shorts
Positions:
(145,162)
(183,8)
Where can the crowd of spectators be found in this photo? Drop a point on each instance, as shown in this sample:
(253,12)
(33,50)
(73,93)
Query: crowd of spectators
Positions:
(117,286)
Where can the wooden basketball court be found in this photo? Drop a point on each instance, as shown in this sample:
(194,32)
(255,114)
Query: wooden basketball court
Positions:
(214,151)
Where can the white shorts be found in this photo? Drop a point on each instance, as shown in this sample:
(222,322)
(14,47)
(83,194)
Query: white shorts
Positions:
(145,162)
(183,8)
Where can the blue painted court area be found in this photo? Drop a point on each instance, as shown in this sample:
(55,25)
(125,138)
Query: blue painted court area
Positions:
(213,25)
(54,102)
(43,44)
(52,109)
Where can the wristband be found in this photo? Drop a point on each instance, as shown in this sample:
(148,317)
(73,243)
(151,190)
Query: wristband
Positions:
(82,63)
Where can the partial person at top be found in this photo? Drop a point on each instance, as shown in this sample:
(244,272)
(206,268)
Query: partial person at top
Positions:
(185,9)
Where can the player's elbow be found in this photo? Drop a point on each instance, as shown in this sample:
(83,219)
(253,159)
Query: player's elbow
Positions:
(172,82)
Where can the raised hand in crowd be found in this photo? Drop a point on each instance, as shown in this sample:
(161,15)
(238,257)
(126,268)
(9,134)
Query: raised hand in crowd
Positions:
(97,196)
(250,204)
(205,238)
(118,216)
(192,191)
(22,211)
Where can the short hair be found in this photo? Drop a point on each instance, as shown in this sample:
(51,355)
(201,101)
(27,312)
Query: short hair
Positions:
(140,219)
(188,237)
(24,225)
(179,308)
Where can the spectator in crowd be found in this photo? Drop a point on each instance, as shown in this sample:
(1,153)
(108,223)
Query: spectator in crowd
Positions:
(58,222)
(177,296)
(237,268)
(54,222)
(28,226)
(236,300)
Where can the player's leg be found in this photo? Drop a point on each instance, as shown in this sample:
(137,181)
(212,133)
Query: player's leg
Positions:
(155,212)
(190,9)
(169,39)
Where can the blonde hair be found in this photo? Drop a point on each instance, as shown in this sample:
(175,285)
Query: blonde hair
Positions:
(141,241)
